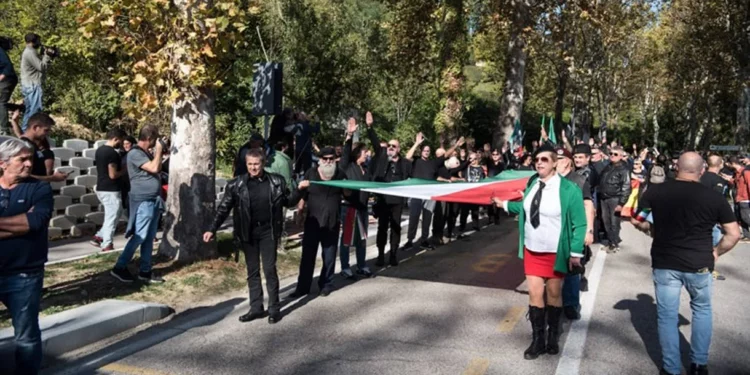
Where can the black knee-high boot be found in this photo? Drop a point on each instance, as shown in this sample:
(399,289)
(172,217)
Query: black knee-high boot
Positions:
(554,331)
(537,347)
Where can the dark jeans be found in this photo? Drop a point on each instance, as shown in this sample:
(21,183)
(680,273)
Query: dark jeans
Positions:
(389,215)
(494,213)
(611,219)
(21,294)
(262,246)
(744,216)
(6,90)
(315,235)
(465,209)
(571,291)
(416,207)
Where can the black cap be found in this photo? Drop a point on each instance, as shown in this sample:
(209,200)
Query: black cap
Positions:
(582,149)
(546,147)
(327,151)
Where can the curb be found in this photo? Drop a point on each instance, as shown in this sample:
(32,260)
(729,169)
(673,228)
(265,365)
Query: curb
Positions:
(76,328)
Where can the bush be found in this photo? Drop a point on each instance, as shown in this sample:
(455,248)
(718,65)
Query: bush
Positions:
(88,103)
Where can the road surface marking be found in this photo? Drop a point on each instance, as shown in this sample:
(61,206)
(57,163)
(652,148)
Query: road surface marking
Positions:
(491,263)
(131,370)
(477,366)
(572,353)
(511,319)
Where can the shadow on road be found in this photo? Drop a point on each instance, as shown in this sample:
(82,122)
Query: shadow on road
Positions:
(643,317)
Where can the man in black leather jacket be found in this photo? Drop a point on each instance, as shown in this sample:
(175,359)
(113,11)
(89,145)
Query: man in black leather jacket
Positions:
(259,198)
(614,191)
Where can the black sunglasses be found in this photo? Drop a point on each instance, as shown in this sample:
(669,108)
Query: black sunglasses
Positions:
(391,145)
(542,159)
(328,158)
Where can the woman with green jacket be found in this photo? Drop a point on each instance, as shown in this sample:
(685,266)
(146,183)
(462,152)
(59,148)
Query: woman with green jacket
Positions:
(552,228)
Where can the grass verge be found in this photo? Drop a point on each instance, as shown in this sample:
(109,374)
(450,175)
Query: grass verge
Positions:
(72,284)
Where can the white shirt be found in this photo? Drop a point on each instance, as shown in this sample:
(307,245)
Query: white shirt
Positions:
(545,237)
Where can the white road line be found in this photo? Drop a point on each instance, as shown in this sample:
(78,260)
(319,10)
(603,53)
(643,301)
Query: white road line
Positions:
(570,359)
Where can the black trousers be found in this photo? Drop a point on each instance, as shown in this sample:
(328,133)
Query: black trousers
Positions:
(262,246)
(446,214)
(494,213)
(389,216)
(6,90)
(465,210)
(327,238)
(611,220)
(416,208)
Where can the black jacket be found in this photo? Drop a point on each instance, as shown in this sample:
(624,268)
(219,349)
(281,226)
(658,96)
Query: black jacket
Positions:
(237,195)
(379,166)
(614,182)
(357,199)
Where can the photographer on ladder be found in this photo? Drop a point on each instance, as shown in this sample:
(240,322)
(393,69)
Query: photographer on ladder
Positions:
(33,69)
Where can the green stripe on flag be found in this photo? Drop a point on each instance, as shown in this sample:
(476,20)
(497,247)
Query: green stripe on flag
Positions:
(357,185)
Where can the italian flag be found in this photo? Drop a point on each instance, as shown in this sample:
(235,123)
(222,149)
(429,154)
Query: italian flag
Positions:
(508,185)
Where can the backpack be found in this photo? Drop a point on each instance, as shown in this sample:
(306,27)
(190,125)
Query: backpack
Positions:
(657,174)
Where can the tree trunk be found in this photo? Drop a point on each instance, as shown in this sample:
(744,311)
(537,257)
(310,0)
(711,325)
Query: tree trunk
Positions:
(192,167)
(656,125)
(511,103)
(453,57)
(743,113)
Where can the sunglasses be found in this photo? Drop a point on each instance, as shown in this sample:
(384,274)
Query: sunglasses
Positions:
(495,154)
(328,159)
(542,159)
(391,145)
(615,154)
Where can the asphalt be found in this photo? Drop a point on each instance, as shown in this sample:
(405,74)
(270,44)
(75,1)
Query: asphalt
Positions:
(455,310)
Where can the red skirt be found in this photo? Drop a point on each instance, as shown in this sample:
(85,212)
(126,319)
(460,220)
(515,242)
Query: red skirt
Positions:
(540,264)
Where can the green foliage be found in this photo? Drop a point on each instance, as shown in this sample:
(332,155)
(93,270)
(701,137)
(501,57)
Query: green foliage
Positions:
(90,103)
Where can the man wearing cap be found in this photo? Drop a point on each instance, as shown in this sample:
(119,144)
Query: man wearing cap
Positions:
(571,292)
(614,191)
(322,223)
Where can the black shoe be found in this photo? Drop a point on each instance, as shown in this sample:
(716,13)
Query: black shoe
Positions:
(297,294)
(249,317)
(698,369)
(364,273)
(538,346)
(427,245)
(408,245)
(381,260)
(122,275)
(553,329)
(150,278)
(477,229)
(393,261)
(664,372)
(325,292)
(274,318)
(584,284)
(572,313)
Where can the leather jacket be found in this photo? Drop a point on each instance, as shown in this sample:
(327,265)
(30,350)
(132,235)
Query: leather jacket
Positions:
(237,197)
(614,182)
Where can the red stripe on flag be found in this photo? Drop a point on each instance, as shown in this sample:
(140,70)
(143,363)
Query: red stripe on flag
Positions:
(482,195)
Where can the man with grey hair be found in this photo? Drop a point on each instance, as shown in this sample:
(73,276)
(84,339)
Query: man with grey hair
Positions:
(25,210)
(614,191)
(683,254)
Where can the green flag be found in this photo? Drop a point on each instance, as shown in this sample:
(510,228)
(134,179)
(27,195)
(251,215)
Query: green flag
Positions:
(552,136)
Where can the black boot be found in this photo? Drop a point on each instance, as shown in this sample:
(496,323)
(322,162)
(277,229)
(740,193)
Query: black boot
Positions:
(553,331)
(381,258)
(394,257)
(698,369)
(537,347)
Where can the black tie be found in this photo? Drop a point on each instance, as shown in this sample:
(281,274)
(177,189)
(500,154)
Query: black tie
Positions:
(535,206)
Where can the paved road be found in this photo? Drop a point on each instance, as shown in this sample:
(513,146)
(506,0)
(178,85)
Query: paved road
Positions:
(456,310)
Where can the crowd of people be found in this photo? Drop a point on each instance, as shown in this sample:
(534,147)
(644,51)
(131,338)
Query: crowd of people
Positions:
(579,195)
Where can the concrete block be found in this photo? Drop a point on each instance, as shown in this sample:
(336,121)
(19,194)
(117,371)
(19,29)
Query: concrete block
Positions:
(221,184)
(88,181)
(92,200)
(73,329)
(92,171)
(58,162)
(56,186)
(78,145)
(73,191)
(82,163)
(78,211)
(83,230)
(96,218)
(62,202)
(64,153)
(54,233)
(63,222)
(89,153)
(100,143)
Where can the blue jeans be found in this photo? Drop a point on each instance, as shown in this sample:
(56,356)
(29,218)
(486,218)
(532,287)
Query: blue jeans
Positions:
(571,292)
(361,245)
(716,235)
(668,284)
(112,202)
(21,294)
(146,224)
(32,99)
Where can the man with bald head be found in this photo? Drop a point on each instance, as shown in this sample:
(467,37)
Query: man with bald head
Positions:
(683,254)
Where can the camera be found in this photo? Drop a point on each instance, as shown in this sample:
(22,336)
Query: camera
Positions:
(51,51)
(15,107)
